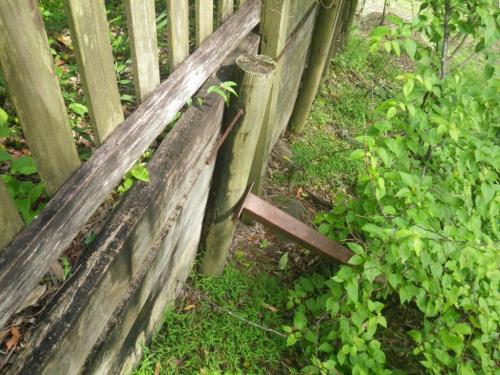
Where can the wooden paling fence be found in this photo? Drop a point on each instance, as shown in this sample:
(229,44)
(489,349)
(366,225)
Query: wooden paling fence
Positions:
(108,309)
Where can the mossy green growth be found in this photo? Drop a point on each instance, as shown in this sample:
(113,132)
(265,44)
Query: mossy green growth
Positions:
(202,336)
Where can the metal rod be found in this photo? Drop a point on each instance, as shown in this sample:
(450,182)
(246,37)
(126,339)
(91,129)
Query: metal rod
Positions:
(267,214)
(228,130)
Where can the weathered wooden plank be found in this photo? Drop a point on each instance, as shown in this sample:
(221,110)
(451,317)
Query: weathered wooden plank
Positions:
(136,248)
(163,277)
(204,14)
(318,55)
(141,20)
(128,243)
(90,34)
(178,31)
(29,256)
(235,158)
(225,9)
(10,220)
(28,69)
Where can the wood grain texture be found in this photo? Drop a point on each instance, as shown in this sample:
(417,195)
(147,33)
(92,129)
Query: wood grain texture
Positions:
(292,57)
(10,220)
(90,34)
(335,39)
(29,256)
(178,31)
(140,259)
(28,69)
(204,10)
(235,158)
(141,21)
(318,55)
(280,18)
(225,9)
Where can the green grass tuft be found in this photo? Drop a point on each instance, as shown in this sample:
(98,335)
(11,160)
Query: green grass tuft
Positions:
(208,340)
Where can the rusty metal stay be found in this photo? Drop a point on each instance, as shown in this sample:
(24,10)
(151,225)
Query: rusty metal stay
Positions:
(267,214)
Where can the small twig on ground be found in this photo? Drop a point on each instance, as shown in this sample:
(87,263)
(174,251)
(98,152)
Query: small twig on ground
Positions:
(232,314)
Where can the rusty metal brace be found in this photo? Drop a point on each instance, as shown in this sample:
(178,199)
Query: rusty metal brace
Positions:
(304,235)
(224,136)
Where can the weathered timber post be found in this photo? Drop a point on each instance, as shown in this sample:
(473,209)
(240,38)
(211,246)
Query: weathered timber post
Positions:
(273,28)
(334,46)
(10,221)
(235,159)
(320,47)
(348,20)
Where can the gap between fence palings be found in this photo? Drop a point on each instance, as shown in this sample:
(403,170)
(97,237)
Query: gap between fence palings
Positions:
(26,260)
(90,33)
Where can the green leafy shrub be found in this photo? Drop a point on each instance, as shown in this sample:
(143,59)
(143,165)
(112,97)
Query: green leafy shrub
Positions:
(423,222)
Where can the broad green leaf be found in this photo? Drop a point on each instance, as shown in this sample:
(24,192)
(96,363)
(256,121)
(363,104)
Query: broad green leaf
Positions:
(352,289)
(140,172)
(4,118)
(79,109)
(410,47)
(283,262)
(300,320)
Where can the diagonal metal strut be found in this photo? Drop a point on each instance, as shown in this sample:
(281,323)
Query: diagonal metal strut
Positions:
(267,214)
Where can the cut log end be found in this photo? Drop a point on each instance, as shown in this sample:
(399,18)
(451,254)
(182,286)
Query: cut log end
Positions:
(256,64)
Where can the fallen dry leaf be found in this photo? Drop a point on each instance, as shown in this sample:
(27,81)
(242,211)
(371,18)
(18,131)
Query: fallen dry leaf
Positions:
(14,339)
(189,307)
(270,308)
(57,270)
(157,368)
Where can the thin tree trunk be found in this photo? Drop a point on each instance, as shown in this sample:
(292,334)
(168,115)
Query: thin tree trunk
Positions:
(446,37)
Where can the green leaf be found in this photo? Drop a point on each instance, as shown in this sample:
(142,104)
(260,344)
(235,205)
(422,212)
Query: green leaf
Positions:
(410,47)
(357,155)
(283,262)
(300,320)
(395,46)
(79,109)
(352,289)
(24,165)
(453,342)
(140,173)
(291,340)
(489,70)
(4,156)
(4,118)
(408,87)
(391,112)
(5,132)
(325,348)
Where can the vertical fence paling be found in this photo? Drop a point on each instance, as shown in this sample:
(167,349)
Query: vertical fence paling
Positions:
(90,33)
(204,11)
(178,31)
(141,20)
(28,69)
(273,28)
(320,46)
(225,9)
(10,220)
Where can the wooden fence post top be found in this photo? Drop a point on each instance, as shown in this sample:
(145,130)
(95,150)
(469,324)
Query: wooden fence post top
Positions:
(256,64)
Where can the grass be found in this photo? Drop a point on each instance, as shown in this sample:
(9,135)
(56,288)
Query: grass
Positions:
(346,103)
(202,335)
